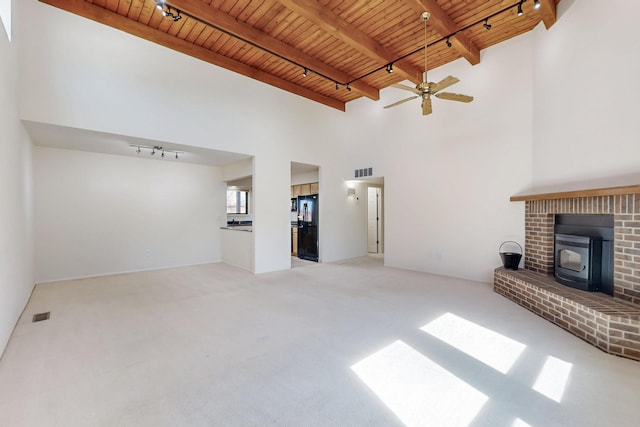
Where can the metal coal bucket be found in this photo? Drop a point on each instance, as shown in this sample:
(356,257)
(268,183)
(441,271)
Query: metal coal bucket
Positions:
(510,260)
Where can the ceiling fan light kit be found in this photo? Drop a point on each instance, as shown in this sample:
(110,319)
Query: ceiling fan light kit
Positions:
(425,89)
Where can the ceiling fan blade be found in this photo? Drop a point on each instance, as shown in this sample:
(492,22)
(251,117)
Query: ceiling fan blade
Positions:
(426,106)
(401,102)
(404,87)
(454,97)
(444,83)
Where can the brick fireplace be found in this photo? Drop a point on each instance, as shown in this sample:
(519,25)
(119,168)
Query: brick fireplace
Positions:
(610,323)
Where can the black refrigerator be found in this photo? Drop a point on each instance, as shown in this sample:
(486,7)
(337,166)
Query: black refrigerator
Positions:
(308,227)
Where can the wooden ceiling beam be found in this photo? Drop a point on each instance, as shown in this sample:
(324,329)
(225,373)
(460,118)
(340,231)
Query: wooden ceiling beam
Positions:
(208,15)
(444,25)
(112,19)
(548,12)
(346,33)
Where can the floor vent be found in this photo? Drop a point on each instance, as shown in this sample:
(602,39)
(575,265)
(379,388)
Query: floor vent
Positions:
(41,316)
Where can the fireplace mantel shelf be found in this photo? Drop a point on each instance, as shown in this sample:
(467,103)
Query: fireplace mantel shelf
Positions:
(610,191)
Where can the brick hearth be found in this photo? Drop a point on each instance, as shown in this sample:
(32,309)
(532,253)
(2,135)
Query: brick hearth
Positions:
(610,323)
(599,319)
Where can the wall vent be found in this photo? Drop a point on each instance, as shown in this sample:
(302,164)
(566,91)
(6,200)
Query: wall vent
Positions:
(359,173)
(41,316)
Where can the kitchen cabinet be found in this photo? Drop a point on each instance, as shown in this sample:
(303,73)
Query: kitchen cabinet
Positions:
(294,241)
(305,189)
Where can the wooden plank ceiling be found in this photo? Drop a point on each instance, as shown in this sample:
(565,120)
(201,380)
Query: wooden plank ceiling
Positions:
(345,46)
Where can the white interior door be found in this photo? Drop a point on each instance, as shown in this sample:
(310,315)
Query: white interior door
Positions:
(373,220)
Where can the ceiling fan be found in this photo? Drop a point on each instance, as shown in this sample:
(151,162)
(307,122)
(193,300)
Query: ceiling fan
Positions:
(425,89)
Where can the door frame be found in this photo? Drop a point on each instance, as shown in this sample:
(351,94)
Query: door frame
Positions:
(380,207)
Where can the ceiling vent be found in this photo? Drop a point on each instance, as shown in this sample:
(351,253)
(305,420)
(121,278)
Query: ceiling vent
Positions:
(359,173)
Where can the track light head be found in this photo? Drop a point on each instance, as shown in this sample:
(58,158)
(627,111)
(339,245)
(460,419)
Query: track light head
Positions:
(337,86)
(520,9)
(167,12)
(348,87)
(304,73)
(448,42)
(536,4)
(152,150)
(389,68)
(486,24)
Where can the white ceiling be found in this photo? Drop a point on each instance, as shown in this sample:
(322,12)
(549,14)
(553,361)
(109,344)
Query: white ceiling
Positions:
(300,168)
(54,136)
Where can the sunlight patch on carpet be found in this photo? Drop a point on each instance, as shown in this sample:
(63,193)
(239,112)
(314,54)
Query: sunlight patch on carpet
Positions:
(485,345)
(419,391)
(553,378)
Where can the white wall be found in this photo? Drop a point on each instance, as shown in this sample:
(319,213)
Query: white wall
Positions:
(109,81)
(586,97)
(237,170)
(534,95)
(567,91)
(448,176)
(16,211)
(101,214)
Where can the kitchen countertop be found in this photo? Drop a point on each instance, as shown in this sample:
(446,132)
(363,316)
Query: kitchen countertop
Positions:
(248,228)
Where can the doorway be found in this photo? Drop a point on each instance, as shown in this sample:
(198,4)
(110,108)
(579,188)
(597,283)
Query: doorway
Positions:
(375,237)
(305,198)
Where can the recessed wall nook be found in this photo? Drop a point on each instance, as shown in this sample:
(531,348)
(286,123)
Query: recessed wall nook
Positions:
(608,318)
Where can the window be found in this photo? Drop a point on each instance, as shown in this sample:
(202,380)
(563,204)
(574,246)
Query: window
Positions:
(237,202)
(5,16)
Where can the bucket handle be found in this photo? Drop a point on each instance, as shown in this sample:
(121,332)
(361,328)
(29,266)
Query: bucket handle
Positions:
(510,241)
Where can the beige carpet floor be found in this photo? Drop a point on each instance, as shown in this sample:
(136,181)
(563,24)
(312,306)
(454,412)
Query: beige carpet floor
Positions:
(346,344)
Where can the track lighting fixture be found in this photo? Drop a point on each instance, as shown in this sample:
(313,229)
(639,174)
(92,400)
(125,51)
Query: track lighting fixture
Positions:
(446,38)
(175,14)
(153,149)
(348,87)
